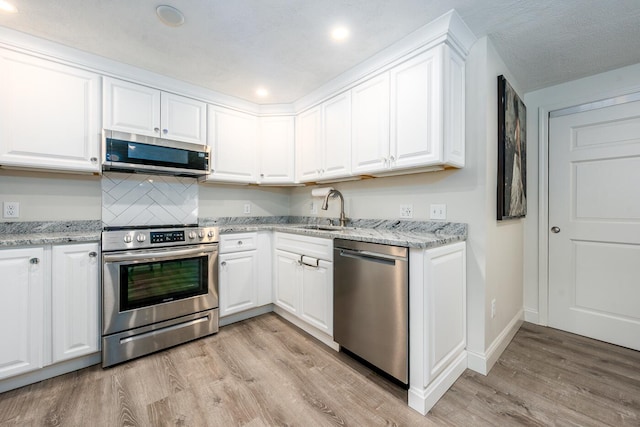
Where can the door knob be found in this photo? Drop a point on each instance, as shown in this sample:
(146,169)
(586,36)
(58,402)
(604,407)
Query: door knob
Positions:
(555,229)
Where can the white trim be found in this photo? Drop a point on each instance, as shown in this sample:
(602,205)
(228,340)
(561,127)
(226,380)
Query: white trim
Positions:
(50,372)
(311,330)
(244,315)
(422,400)
(531,316)
(482,363)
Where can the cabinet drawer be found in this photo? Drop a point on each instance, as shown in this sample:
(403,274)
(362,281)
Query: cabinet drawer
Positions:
(238,242)
(316,247)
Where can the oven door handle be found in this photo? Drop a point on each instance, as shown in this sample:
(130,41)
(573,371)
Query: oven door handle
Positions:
(153,255)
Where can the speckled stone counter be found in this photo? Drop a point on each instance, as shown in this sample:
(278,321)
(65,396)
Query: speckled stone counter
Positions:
(49,232)
(412,234)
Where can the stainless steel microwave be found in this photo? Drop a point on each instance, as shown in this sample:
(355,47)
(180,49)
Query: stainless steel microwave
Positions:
(127,152)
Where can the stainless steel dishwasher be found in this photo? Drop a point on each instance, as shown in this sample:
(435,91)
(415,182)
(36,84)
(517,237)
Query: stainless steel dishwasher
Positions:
(371,304)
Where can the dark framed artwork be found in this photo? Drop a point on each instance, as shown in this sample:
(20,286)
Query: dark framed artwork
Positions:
(512,156)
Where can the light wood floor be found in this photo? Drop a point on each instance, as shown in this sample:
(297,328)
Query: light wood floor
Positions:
(266,372)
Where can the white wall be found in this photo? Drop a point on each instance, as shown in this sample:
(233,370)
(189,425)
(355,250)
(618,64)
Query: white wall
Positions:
(539,103)
(229,200)
(52,196)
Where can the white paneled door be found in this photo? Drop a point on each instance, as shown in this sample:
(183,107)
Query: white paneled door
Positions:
(594,220)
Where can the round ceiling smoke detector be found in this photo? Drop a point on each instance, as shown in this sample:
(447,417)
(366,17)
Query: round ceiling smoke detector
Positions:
(170,16)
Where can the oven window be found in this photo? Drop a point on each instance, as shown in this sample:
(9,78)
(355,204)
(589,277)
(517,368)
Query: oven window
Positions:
(152,283)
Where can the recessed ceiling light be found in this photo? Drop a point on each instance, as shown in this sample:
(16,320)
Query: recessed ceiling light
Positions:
(262,92)
(340,33)
(5,6)
(170,16)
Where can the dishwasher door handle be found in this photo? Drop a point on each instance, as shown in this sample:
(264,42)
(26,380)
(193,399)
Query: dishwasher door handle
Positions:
(366,255)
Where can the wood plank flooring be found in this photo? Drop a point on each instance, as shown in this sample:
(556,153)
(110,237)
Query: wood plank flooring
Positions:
(266,372)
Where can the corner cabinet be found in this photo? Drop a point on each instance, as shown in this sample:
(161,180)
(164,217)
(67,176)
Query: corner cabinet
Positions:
(134,108)
(49,306)
(277,160)
(49,115)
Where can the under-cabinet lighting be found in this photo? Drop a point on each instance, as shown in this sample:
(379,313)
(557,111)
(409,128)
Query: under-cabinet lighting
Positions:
(5,6)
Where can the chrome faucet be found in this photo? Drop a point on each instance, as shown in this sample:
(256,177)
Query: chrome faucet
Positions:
(325,205)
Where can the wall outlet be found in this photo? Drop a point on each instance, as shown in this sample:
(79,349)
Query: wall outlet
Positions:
(493,308)
(438,211)
(11,210)
(406,211)
(247,208)
(313,208)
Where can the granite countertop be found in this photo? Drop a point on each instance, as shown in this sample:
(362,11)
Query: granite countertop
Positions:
(49,232)
(412,234)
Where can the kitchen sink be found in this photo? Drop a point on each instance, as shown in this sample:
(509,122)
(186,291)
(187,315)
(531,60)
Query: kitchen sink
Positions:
(320,227)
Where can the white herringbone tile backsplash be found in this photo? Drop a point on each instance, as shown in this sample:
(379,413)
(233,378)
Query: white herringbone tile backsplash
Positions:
(138,199)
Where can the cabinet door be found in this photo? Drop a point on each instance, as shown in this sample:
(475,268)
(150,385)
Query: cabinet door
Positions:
(308,150)
(75,286)
(21,310)
(276,150)
(336,145)
(238,274)
(183,119)
(233,139)
(133,108)
(316,305)
(416,112)
(370,126)
(49,115)
(287,280)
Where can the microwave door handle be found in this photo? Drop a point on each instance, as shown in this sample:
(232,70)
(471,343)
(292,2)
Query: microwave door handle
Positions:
(156,255)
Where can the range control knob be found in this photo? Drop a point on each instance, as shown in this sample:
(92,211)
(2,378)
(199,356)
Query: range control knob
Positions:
(210,233)
(192,235)
(201,234)
(141,238)
(128,238)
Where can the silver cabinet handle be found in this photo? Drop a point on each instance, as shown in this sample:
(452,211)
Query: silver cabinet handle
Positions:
(261,175)
(156,129)
(93,159)
(555,229)
(165,131)
(239,242)
(34,261)
(93,254)
(392,159)
(223,263)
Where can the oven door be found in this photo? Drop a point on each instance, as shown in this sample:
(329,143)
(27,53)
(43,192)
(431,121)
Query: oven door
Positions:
(148,286)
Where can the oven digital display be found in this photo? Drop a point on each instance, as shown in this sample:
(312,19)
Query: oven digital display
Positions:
(167,236)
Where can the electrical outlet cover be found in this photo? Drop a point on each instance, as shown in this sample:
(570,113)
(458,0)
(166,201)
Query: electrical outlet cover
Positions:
(11,210)
(406,211)
(247,208)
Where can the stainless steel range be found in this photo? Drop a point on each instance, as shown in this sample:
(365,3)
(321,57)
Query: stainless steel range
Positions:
(159,287)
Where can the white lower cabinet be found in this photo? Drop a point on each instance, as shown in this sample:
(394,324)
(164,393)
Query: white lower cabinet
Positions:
(244,272)
(75,301)
(303,279)
(49,305)
(21,310)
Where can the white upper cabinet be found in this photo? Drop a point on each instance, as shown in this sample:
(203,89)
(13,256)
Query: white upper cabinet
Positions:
(233,137)
(49,115)
(370,126)
(336,137)
(129,107)
(323,140)
(412,117)
(308,140)
(277,159)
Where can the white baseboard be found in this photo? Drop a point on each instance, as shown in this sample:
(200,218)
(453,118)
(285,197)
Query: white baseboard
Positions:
(531,316)
(244,315)
(50,372)
(482,363)
(311,330)
(425,399)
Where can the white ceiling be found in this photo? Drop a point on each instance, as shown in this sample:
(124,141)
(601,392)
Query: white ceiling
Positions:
(234,46)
